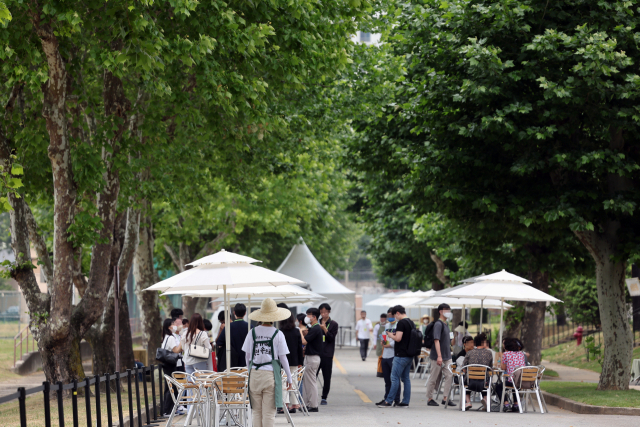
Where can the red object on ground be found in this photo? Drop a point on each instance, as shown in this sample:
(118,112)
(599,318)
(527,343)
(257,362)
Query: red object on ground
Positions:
(578,335)
(215,365)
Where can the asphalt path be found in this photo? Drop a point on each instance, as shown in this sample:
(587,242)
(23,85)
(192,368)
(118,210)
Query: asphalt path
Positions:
(355,388)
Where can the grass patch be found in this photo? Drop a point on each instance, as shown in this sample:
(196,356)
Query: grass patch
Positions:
(550,373)
(587,393)
(6,360)
(569,354)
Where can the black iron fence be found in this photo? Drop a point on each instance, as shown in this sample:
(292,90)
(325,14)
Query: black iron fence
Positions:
(556,333)
(95,389)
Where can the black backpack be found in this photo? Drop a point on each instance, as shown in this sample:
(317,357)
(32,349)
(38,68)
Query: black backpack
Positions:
(415,342)
(428,334)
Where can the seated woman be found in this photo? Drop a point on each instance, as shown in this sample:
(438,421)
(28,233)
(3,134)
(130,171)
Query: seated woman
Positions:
(511,359)
(481,355)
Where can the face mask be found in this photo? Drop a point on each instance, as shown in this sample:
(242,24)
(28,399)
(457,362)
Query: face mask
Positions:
(391,319)
(174,328)
(383,322)
(425,321)
(448,315)
(307,320)
(297,324)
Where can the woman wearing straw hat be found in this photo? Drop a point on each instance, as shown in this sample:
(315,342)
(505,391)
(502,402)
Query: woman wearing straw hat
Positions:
(266,353)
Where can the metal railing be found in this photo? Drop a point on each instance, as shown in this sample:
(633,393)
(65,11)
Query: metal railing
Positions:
(22,336)
(133,377)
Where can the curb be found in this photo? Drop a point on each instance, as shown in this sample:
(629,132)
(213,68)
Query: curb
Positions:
(583,408)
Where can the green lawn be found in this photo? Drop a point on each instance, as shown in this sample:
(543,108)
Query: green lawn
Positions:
(570,354)
(587,393)
(550,373)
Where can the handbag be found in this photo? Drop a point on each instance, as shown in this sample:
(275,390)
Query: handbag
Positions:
(198,351)
(167,357)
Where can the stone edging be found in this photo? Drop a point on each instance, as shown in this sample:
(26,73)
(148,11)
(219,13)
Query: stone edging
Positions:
(583,408)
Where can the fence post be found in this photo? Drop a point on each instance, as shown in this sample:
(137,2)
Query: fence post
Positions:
(98,414)
(23,407)
(87,400)
(146,398)
(74,403)
(47,404)
(130,397)
(119,397)
(137,380)
(153,392)
(108,397)
(60,405)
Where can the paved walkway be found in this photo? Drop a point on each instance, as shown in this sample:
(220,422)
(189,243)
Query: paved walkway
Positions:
(567,373)
(355,386)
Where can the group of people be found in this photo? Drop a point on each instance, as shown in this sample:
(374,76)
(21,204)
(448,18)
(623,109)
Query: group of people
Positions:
(392,337)
(304,340)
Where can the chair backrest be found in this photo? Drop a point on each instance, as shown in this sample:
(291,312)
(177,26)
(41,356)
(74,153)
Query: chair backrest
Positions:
(525,377)
(424,353)
(180,377)
(239,370)
(454,369)
(477,372)
(300,374)
(231,383)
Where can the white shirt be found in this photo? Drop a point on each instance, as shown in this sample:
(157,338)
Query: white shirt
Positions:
(362,328)
(202,340)
(171,341)
(263,351)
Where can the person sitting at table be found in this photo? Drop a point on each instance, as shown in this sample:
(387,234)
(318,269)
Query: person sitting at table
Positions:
(481,355)
(467,346)
(511,359)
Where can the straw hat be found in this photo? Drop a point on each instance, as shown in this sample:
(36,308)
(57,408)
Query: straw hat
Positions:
(425,316)
(269,312)
(459,329)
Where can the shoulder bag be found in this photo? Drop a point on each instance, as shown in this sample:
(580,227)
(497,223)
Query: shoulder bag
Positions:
(167,357)
(198,351)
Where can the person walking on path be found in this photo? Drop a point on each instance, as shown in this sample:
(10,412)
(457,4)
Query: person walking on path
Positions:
(313,342)
(402,360)
(440,356)
(330,329)
(294,343)
(364,329)
(171,341)
(387,345)
(266,350)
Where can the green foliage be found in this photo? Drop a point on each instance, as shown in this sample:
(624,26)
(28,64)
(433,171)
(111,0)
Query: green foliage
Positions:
(5,14)
(593,350)
(580,296)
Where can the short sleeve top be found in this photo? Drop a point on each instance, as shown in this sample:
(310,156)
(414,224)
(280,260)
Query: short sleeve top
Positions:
(513,360)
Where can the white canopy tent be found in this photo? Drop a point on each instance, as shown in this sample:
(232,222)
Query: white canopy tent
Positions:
(301,264)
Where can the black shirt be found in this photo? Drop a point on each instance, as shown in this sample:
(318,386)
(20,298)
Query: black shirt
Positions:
(294,344)
(405,326)
(329,347)
(314,341)
(239,330)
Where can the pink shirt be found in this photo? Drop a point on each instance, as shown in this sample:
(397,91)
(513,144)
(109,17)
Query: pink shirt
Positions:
(513,360)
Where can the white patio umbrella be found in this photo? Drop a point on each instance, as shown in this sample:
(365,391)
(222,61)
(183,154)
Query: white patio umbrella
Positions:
(499,286)
(221,271)
(284,293)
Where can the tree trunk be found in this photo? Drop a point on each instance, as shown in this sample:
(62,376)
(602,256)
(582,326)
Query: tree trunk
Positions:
(610,275)
(533,322)
(145,275)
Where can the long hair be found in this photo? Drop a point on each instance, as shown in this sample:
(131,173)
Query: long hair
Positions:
(288,323)
(194,323)
(166,328)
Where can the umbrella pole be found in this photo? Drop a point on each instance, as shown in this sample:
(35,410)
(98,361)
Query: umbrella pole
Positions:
(501,312)
(227,327)
(481,310)
(464,319)
(248,313)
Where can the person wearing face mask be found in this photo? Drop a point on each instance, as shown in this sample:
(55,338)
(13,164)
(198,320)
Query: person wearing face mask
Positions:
(313,341)
(425,321)
(171,341)
(441,356)
(387,345)
(378,332)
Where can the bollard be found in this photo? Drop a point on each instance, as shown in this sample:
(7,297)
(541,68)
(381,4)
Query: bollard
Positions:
(47,404)
(138,397)
(130,397)
(87,400)
(74,403)
(146,398)
(98,415)
(60,405)
(119,397)
(23,407)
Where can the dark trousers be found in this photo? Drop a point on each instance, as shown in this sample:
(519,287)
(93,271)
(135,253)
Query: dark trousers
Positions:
(326,366)
(364,346)
(387,364)
(167,405)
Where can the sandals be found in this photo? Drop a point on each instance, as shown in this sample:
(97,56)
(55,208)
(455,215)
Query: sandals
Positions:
(468,407)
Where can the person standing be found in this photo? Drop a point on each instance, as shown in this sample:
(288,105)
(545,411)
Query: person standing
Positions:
(313,342)
(364,329)
(170,341)
(196,335)
(266,350)
(402,360)
(378,332)
(387,345)
(239,330)
(330,329)
(220,345)
(424,322)
(440,356)
(177,313)
(294,344)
